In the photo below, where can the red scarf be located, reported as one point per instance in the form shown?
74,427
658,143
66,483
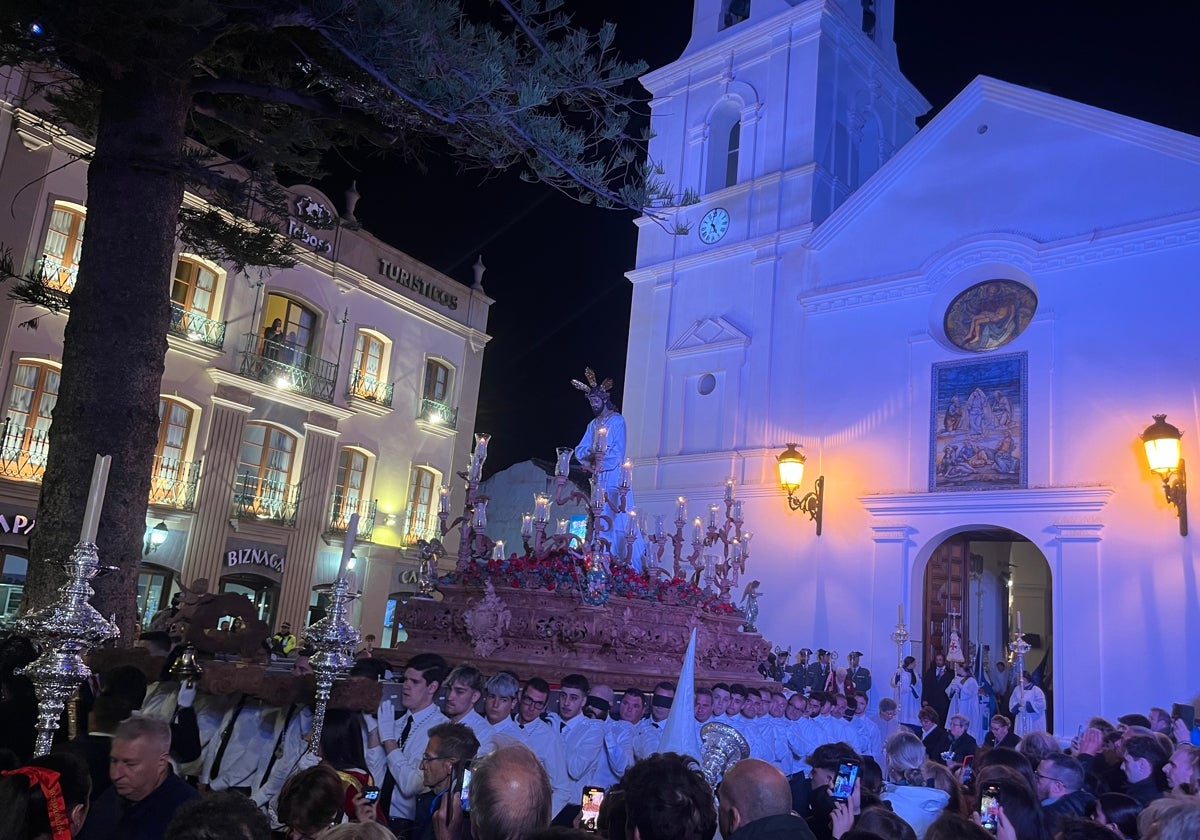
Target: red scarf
56,806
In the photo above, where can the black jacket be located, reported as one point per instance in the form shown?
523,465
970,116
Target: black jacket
113,817
1070,805
936,741
779,827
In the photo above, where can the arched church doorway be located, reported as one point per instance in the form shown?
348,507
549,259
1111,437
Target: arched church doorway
978,583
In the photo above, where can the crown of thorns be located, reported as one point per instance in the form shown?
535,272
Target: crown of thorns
591,386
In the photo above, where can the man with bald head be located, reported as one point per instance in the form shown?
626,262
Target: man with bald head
510,795
756,804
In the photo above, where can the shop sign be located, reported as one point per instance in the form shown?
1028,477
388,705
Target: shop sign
316,214
260,557
416,284
16,524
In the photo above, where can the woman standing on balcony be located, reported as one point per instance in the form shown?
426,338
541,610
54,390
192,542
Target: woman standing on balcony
273,340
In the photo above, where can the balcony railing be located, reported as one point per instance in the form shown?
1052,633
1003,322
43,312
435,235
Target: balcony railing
56,275
340,511
282,365
23,452
433,411
418,526
256,498
197,328
367,387
173,483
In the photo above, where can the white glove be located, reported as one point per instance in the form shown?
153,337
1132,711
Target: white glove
187,695
371,722
387,721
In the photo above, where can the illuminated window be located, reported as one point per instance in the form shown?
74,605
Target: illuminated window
64,238
30,404
174,428
437,381
351,485
368,370
194,287
265,469
421,512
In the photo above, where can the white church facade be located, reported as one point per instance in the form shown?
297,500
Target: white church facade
966,329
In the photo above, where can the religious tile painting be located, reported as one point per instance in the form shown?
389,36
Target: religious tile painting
989,315
978,439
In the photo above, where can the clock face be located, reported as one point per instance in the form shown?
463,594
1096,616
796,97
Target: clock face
713,225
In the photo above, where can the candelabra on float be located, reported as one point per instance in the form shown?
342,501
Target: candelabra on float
718,571
333,638
472,540
899,639
69,627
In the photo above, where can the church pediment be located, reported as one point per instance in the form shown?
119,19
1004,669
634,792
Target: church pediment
706,335
1002,161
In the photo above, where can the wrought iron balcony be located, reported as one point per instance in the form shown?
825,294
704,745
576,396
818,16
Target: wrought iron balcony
23,452
258,498
432,411
369,388
173,483
196,328
282,365
340,511
420,526
56,275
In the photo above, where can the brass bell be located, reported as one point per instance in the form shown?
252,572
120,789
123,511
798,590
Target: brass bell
186,668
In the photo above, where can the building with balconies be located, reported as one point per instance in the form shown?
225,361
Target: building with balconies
291,400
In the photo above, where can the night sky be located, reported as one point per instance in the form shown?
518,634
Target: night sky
556,268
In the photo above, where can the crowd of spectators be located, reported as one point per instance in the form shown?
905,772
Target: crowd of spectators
458,755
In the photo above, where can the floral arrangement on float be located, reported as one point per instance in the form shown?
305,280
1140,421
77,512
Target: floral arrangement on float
561,571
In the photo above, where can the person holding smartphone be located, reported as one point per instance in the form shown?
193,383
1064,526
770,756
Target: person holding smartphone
451,747
756,801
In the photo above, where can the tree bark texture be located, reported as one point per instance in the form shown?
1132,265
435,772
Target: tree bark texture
115,342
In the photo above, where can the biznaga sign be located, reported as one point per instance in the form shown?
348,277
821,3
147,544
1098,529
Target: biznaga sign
419,285
254,557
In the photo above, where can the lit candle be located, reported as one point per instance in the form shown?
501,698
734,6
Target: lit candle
600,443
526,526
563,525
541,507
658,526
627,474
746,543
563,467
729,489
480,514
737,551
632,530
498,550
681,509
443,499
597,493
737,511
348,548
95,501
481,446
712,517
697,531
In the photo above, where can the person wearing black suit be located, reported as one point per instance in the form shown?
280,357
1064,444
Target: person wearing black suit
820,673
961,742
933,686
933,736
94,745
1000,734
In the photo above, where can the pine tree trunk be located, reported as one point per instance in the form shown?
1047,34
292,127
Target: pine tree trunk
108,394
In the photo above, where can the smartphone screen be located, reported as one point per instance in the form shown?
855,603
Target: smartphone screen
370,793
465,790
843,783
1184,712
590,807
987,808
